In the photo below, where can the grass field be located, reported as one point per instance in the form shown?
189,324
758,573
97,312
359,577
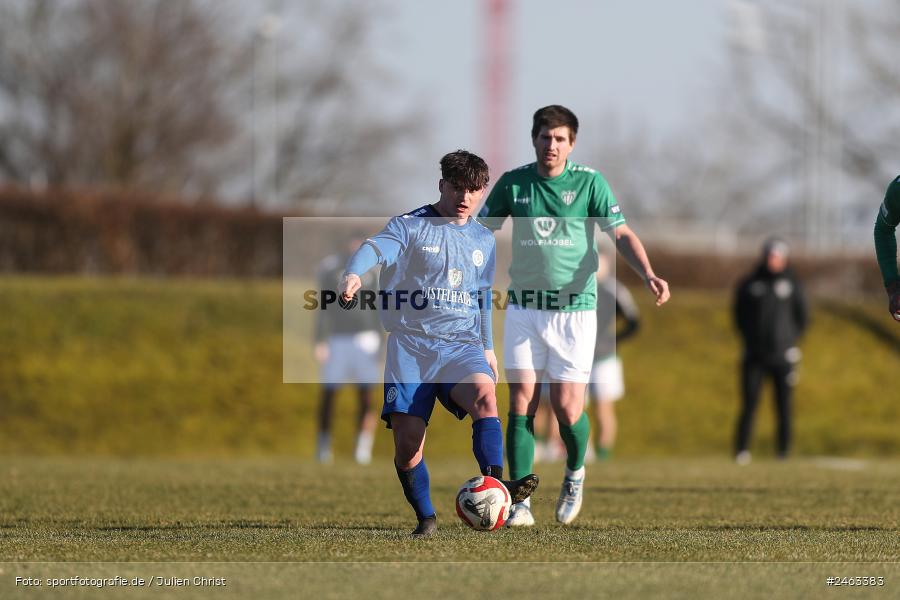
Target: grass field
145,432
654,524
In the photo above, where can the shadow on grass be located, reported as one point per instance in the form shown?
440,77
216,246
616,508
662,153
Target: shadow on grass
878,328
186,526
769,528
684,490
235,525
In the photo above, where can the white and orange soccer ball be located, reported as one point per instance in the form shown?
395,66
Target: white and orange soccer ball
483,503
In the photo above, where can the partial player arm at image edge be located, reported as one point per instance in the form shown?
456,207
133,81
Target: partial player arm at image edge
885,234
886,250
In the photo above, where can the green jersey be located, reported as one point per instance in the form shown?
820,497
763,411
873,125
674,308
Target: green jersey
885,239
554,256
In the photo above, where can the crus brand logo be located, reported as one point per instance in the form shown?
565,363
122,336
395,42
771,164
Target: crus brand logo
477,258
522,200
568,197
391,395
431,249
544,226
455,276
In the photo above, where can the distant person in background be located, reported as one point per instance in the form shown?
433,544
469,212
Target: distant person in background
886,245
771,314
348,344
607,384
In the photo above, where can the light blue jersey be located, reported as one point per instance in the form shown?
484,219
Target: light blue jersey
435,302
436,277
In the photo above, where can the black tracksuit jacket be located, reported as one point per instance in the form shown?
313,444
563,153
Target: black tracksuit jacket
771,314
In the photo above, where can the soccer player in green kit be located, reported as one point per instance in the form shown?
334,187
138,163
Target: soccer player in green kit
886,245
551,324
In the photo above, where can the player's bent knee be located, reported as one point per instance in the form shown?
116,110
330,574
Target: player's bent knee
485,401
409,439
407,453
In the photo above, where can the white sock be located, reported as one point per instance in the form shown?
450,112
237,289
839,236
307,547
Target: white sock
364,442
323,445
576,475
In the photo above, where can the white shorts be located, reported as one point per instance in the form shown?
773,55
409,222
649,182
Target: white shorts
607,383
561,344
353,358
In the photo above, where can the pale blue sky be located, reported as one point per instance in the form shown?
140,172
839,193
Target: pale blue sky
646,62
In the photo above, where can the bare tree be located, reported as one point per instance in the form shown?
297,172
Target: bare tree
167,96
801,134
133,94
818,91
811,53
343,126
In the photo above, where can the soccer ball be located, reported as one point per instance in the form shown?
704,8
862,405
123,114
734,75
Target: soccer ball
483,503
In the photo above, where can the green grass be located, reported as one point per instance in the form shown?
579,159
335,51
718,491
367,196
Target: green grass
282,509
706,519
145,431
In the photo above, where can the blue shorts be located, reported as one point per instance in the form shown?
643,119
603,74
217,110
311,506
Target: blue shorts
420,370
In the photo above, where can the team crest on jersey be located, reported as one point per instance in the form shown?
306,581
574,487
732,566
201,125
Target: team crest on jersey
544,226
568,197
455,276
783,288
477,258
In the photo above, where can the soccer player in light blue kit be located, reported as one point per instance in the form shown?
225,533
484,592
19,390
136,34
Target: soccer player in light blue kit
437,270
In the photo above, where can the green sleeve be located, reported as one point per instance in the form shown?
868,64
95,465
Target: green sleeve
496,208
885,238
603,204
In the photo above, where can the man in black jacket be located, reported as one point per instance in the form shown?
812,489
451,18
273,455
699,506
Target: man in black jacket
771,314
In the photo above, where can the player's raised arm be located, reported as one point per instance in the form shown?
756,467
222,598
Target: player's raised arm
381,249
886,245
631,248
362,260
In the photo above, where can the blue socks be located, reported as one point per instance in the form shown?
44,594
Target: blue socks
416,488
487,445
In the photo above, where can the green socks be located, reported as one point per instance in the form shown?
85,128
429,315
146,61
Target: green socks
576,438
520,445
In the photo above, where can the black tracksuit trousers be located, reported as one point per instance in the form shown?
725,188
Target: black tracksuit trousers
752,373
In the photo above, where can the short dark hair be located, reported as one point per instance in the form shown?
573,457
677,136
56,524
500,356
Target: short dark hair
554,116
465,171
